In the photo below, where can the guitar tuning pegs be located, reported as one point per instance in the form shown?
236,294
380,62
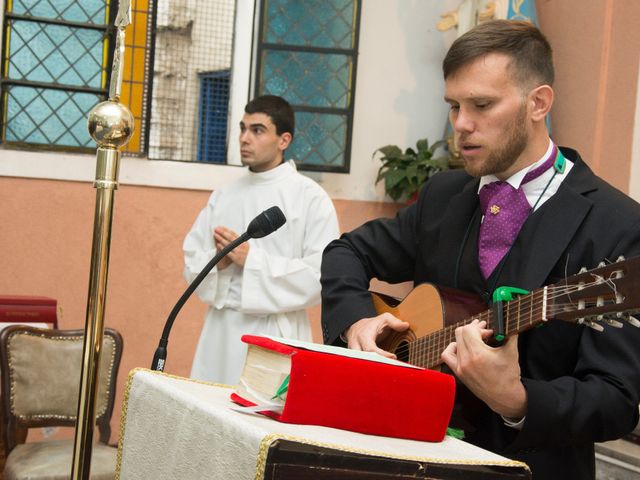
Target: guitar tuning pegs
620,259
596,326
612,322
633,321
628,318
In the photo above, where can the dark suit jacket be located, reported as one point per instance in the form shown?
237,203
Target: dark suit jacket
582,386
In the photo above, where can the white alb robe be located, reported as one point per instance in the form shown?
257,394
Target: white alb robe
281,276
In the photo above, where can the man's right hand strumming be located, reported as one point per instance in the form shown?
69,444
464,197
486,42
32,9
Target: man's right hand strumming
367,332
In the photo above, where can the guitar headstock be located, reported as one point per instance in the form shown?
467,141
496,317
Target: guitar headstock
608,294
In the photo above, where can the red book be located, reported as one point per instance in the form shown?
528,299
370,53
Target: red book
328,386
28,309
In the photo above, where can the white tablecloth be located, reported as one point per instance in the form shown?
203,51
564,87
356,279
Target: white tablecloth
176,428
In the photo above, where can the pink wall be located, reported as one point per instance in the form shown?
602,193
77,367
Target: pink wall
596,51
46,226
45,249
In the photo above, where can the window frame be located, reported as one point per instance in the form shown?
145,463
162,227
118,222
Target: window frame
107,33
261,46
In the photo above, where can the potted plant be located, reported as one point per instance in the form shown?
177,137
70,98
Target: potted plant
404,173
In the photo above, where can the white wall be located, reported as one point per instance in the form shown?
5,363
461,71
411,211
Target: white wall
398,100
399,88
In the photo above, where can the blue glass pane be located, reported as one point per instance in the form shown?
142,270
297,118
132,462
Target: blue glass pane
45,116
85,11
320,139
314,79
318,23
55,54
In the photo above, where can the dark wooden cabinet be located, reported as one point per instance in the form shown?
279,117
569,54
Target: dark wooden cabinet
287,460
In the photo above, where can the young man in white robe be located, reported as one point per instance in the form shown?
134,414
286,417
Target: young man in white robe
263,286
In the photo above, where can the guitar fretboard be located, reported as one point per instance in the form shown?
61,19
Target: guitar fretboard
519,315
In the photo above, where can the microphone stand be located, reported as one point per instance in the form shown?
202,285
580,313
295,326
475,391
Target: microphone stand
160,357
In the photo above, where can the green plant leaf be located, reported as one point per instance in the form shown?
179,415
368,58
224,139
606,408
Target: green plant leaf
393,178
390,151
410,152
422,144
404,173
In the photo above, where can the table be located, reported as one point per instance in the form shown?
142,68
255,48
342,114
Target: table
173,427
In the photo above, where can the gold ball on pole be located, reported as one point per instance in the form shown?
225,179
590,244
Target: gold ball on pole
111,124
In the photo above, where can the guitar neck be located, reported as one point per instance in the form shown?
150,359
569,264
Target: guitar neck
520,314
606,294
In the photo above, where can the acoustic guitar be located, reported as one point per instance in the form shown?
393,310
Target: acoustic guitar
605,295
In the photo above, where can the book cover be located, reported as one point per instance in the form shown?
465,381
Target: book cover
26,300
28,309
306,383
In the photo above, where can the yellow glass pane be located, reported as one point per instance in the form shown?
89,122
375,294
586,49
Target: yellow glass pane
125,95
138,64
139,35
134,144
141,5
127,73
133,77
135,103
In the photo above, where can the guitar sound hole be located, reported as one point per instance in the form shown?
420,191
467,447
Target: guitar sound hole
402,352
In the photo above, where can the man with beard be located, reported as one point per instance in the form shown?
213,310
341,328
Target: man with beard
543,397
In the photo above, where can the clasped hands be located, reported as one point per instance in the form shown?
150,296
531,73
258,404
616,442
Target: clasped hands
223,236
491,373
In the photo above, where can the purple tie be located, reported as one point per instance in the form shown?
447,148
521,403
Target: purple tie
505,209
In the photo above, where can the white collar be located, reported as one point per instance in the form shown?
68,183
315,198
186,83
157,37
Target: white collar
275,174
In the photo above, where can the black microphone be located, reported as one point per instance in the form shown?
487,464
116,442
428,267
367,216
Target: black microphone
267,222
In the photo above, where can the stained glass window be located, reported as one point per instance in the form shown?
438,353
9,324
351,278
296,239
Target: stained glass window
136,77
307,55
56,65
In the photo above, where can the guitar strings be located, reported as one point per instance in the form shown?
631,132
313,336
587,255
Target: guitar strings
430,356
531,305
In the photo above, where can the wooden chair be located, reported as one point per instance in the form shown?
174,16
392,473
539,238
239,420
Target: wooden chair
41,371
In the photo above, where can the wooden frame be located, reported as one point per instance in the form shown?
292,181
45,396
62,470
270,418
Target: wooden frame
15,427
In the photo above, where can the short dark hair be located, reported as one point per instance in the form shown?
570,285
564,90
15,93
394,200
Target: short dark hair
530,52
277,108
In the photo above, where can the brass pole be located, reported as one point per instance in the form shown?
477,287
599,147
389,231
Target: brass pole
111,125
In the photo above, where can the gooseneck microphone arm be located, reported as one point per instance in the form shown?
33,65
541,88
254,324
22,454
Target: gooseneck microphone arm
264,224
160,356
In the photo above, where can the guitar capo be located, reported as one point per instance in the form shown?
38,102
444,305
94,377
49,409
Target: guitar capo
500,295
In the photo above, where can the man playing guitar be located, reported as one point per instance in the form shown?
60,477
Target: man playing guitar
546,395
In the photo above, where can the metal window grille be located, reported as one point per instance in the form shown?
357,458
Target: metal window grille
194,38
307,54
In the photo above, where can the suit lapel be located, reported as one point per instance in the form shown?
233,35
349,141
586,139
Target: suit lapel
459,214
533,257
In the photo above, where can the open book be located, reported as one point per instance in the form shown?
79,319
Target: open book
307,383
